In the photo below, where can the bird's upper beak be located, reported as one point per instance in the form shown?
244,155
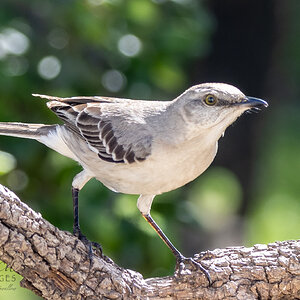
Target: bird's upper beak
255,102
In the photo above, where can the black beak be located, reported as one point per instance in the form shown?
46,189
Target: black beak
255,102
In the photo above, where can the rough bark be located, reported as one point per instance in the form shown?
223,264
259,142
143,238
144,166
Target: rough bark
55,265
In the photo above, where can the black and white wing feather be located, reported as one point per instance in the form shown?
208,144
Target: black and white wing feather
107,131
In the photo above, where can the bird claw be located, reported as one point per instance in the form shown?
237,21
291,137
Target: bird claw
90,245
182,260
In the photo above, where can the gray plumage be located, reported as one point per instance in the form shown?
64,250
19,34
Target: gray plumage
135,146
140,147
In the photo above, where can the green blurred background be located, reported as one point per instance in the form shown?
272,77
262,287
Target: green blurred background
155,50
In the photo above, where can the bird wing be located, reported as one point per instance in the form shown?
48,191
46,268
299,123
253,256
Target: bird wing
109,132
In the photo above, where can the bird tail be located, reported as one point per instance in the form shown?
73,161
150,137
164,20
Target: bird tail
49,135
24,130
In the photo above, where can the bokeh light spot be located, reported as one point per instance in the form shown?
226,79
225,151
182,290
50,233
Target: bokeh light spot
49,67
7,162
17,180
16,66
143,12
129,45
113,80
58,38
13,42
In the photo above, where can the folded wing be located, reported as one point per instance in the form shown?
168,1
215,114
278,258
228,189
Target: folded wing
111,135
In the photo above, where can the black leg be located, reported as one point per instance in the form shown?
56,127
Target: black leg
76,228
179,257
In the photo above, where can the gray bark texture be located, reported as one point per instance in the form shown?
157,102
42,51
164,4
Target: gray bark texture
55,265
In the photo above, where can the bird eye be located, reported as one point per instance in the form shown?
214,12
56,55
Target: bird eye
210,100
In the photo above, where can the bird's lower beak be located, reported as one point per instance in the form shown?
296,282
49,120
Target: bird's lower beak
255,102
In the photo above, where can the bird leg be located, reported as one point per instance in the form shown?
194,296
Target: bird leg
179,257
76,228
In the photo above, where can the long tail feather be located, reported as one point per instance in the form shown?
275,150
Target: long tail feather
24,130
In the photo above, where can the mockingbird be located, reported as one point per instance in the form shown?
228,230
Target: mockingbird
140,147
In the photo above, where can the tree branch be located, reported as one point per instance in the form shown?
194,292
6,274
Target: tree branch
55,265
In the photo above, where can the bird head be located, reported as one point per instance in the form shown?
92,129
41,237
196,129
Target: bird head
214,106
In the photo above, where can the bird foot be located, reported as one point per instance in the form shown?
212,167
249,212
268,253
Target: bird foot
90,245
182,260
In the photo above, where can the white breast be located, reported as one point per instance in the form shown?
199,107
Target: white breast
163,171
167,168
